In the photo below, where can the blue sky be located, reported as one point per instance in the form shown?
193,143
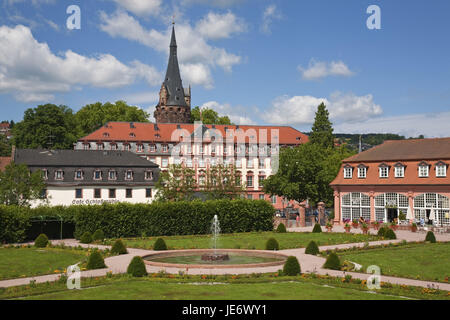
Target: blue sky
259,61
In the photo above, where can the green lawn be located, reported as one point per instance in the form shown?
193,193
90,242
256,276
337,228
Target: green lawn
427,261
252,240
148,290
27,262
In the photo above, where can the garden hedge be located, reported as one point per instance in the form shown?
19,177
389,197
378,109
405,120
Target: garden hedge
135,220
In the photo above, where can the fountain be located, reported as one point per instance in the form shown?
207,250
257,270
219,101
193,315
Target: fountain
215,256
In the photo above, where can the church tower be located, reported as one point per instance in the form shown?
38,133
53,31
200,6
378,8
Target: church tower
174,101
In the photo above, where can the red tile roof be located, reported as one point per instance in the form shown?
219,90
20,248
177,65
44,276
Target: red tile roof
146,132
4,125
4,161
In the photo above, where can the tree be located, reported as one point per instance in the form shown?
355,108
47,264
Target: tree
18,186
47,126
176,184
93,116
222,182
305,173
5,146
208,116
322,130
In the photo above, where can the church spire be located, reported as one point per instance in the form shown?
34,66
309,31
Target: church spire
173,81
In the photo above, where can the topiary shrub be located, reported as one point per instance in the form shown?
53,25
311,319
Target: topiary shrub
95,261
332,262
272,244
430,237
137,267
390,234
119,248
281,228
317,228
98,235
382,231
86,237
312,248
291,267
160,245
41,241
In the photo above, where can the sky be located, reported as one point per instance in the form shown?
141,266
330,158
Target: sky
268,62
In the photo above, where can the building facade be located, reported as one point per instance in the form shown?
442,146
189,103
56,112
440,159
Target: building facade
253,150
404,176
91,177
174,101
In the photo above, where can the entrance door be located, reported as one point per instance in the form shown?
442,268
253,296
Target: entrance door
392,214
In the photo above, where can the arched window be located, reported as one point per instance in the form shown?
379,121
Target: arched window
355,205
425,203
387,203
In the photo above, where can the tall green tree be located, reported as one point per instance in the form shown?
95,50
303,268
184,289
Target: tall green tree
322,129
208,116
18,186
5,146
305,173
92,116
46,126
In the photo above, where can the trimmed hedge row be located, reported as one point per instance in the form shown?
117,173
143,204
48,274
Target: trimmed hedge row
135,220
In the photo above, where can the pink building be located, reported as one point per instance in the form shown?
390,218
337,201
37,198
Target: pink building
405,176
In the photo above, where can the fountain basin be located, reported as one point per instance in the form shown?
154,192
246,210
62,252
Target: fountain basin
192,259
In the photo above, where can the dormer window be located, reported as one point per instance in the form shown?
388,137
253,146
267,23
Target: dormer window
348,172
441,169
129,175
424,169
106,135
79,175
399,170
362,171
44,174
59,175
384,170
112,175
97,175
148,175
132,135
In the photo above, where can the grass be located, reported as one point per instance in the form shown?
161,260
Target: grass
425,261
27,262
251,240
250,287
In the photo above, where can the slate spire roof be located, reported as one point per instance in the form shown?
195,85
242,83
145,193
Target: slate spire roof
172,81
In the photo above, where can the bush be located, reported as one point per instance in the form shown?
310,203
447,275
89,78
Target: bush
317,228
119,248
312,248
86,237
272,244
382,231
95,261
160,245
291,267
390,234
98,235
281,228
137,267
430,237
41,241
332,262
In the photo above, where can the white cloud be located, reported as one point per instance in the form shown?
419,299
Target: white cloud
197,73
31,72
34,2
270,14
141,7
218,26
300,110
412,125
142,98
237,114
214,3
193,48
319,69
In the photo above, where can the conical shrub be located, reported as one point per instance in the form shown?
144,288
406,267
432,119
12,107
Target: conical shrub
137,267
86,237
317,228
119,248
430,237
98,235
382,231
281,228
95,261
41,241
390,234
291,267
272,244
160,245
312,248
332,262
